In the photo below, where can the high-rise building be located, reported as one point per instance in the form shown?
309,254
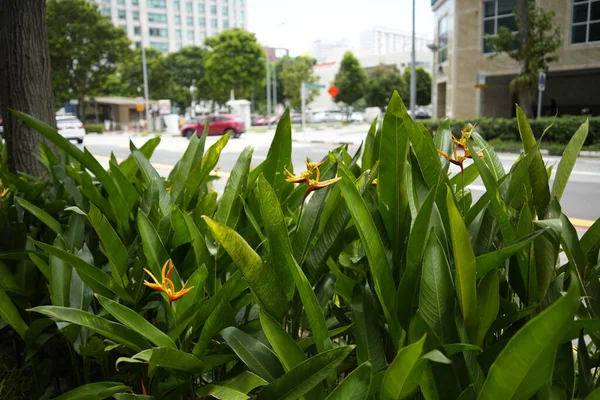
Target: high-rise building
380,41
327,51
169,25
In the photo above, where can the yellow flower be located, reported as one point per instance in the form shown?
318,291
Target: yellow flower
459,159
169,189
305,177
375,182
166,285
4,191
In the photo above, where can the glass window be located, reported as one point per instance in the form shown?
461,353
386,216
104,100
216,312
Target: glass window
189,7
190,35
158,32
213,10
202,21
201,8
122,14
178,20
177,5
177,46
586,20
189,21
153,17
160,46
178,34
135,2
136,15
121,2
138,45
443,39
202,36
213,23
225,11
106,12
157,3
225,24
497,13
137,30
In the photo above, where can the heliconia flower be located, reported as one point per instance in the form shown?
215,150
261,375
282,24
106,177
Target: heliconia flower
375,182
459,159
4,191
166,285
312,166
302,178
305,177
169,189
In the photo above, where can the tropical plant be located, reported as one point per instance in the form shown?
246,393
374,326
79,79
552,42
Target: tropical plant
377,276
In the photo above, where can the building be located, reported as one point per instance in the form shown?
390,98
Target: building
121,111
325,51
462,57
381,41
326,71
169,25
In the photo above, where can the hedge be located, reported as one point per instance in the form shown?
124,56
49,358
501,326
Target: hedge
506,128
99,128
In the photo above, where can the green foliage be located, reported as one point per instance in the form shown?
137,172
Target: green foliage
236,61
351,80
85,48
94,128
383,80
423,86
389,283
294,71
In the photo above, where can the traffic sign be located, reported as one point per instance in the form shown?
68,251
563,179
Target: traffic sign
542,81
139,108
333,91
313,86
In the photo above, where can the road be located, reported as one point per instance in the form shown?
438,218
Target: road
578,202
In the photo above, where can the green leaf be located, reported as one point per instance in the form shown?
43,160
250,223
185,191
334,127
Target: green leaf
585,380
281,253
40,214
261,277
193,153
41,265
546,248
465,267
10,314
288,351
152,178
131,396
426,153
305,376
368,159
129,166
130,195
197,280
112,246
258,357
216,321
369,342
279,156
488,261
595,395
436,297
60,277
94,391
402,377
106,328
538,176
244,382
355,386
393,194
171,358
221,392
229,207
154,249
567,161
200,171
527,361
378,263
488,303
74,234
136,322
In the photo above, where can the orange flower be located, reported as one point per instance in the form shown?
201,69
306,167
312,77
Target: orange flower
459,159
305,177
4,191
166,286
375,182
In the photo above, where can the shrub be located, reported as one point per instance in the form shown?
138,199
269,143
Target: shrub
386,281
507,128
99,128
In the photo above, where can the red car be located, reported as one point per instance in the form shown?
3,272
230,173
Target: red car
217,125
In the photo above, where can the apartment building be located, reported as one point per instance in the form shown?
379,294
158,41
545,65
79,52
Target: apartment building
381,41
169,25
467,82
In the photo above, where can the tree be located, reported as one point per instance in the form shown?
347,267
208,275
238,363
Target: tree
85,49
350,80
236,61
187,68
423,87
294,71
25,82
533,47
382,81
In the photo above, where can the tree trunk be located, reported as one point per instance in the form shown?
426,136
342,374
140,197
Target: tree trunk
25,81
525,97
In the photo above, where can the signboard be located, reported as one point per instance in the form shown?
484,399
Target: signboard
542,81
480,81
275,53
139,107
164,107
333,91
74,102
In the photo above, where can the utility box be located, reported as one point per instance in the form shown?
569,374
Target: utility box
241,110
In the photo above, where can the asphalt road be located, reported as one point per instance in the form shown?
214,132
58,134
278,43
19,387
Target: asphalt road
579,200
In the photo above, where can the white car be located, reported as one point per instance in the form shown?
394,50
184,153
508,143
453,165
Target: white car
70,127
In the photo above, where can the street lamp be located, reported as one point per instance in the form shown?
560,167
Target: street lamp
434,48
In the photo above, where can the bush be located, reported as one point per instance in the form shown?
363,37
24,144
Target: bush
374,275
506,128
99,128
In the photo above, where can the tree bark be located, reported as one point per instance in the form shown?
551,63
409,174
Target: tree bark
25,80
525,97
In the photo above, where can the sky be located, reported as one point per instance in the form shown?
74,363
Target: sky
295,24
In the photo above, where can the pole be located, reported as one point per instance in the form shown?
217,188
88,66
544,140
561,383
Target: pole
303,98
413,75
268,96
539,109
274,89
146,101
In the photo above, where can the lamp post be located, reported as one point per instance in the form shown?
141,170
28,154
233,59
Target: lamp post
434,48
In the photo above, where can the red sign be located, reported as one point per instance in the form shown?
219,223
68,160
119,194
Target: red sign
333,91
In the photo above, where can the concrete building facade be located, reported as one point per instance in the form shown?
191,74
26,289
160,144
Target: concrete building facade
169,25
463,59
381,41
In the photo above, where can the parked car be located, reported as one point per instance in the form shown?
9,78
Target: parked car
217,125
70,127
357,116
